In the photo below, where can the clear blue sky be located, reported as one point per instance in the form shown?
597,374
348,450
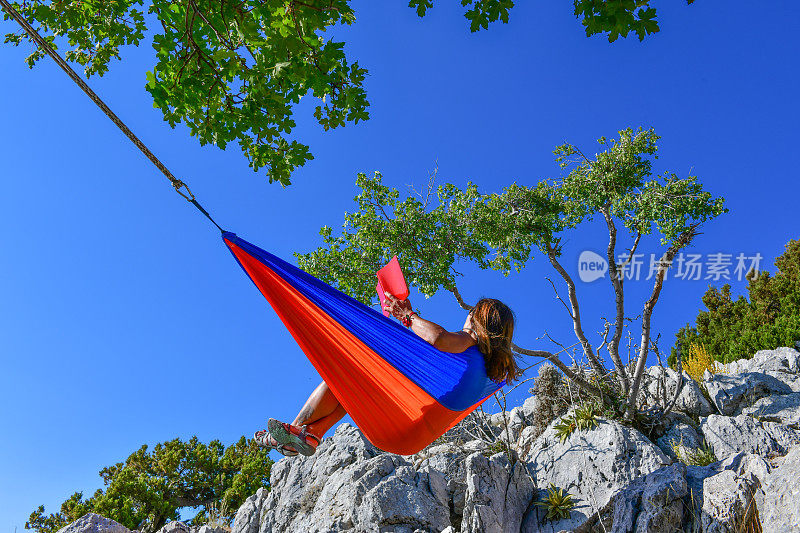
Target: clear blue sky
123,318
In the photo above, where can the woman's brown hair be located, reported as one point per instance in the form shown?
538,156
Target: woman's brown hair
493,324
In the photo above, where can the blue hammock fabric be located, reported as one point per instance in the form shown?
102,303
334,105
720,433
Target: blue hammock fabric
454,381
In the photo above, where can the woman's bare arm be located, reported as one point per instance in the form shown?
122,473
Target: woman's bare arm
432,332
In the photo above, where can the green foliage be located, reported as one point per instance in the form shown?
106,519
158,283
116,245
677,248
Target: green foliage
558,503
702,456
618,17
768,318
232,71
583,417
434,230
149,487
480,13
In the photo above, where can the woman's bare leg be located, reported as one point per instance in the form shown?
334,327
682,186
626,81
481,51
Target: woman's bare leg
321,411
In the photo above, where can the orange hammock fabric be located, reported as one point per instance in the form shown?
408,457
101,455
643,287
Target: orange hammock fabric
394,412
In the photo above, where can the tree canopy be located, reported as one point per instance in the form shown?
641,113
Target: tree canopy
435,230
768,317
232,71
149,487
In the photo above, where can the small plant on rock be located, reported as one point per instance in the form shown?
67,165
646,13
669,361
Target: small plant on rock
701,456
583,417
558,503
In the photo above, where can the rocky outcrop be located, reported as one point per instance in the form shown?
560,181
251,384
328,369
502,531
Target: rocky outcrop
732,393
653,503
619,479
729,502
661,383
681,437
783,409
351,485
591,465
782,364
94,523
730,435
497,496
780,511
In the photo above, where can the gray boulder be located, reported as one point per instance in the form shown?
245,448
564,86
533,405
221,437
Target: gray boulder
497,496
176,526
94,523
780,511
652,503
730,435
350,484
592,465
661,383
729,503
681,436
449,459
782,408
742,464
781,363
734,392
247,519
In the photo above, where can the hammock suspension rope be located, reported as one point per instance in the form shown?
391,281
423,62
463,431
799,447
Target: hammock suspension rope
180,187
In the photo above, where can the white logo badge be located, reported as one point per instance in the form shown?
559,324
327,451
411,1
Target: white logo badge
591,266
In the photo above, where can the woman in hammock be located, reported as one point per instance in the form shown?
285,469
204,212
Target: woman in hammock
489,325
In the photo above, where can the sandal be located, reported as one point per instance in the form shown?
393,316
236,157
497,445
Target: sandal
293,437
265,440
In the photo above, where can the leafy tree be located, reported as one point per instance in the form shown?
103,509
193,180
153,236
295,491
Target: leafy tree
233,70
770,316
149,487
618,17
435,229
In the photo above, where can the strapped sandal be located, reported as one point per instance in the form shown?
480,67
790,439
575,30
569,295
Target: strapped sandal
265,440
288,435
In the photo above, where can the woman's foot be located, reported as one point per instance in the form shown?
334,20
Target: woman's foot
265,440
293,437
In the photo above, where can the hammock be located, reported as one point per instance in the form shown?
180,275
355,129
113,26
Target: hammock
401,391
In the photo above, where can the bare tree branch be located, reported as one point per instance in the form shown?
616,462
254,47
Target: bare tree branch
597,366
616,282
664,263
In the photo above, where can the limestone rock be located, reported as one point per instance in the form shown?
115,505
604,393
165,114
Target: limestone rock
248,515
728,502
780,511
731,393
690,400
94,523
497,496
741,464
680,435
728,435
350,484
782,408
591,465
652,503
176,526
782,364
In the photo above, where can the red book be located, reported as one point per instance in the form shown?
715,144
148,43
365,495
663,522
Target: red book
391,280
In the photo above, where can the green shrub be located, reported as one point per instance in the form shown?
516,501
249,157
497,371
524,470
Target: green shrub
701,456
768,318
558,503
583,417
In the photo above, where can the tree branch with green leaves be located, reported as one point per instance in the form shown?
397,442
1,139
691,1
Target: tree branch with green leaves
233,71
501,231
